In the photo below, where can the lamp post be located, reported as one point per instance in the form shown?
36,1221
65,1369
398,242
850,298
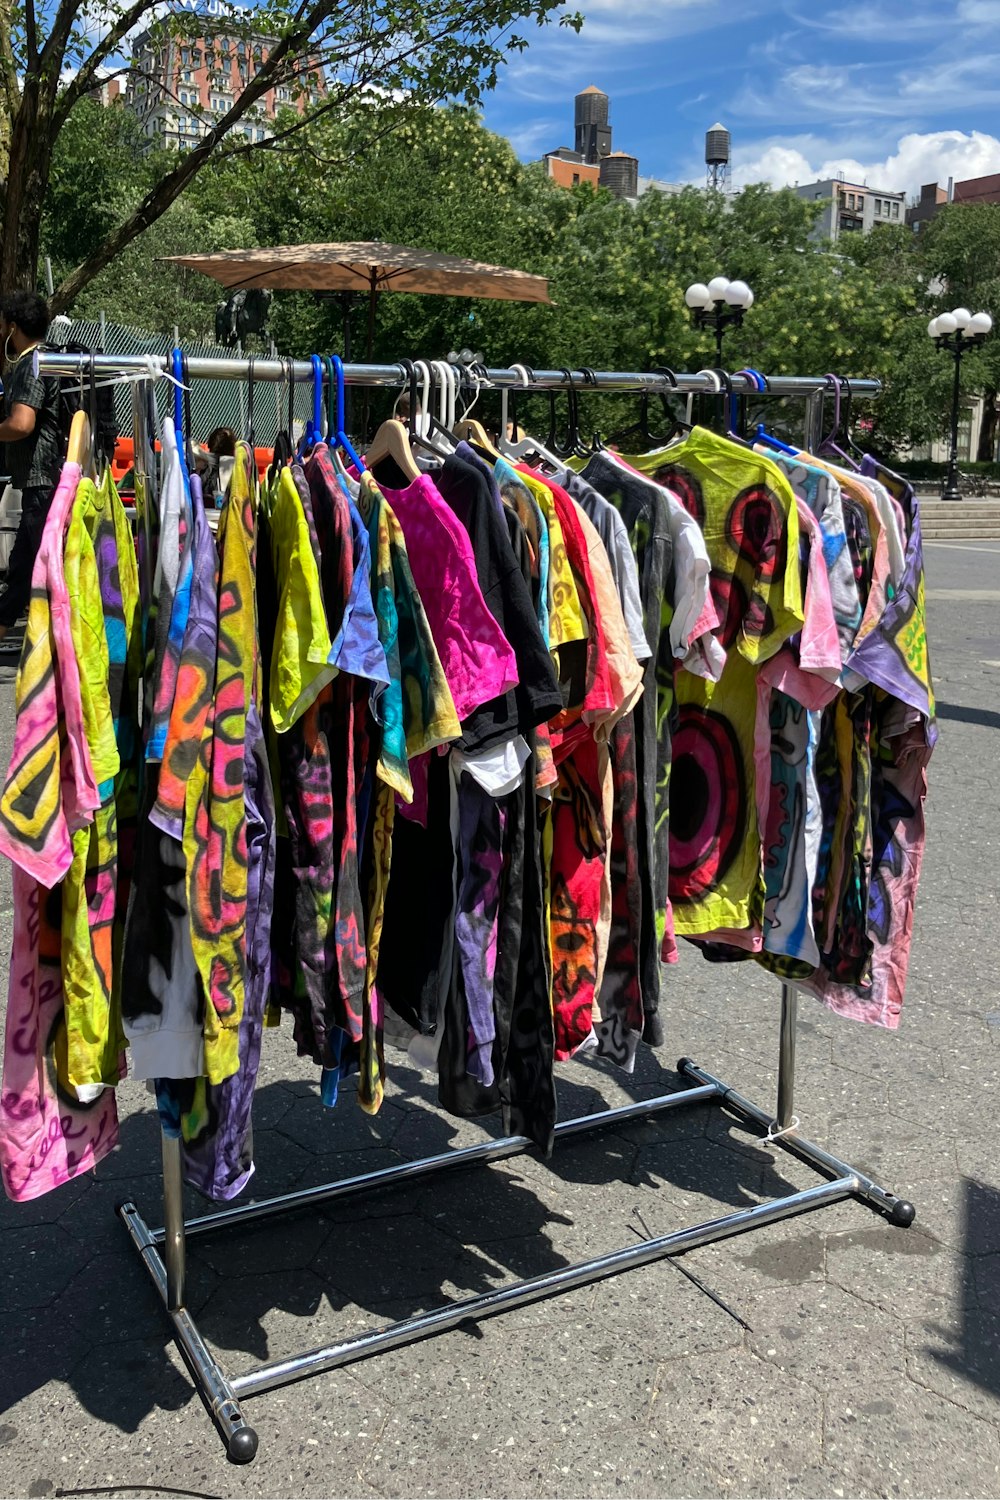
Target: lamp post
957,331
720,304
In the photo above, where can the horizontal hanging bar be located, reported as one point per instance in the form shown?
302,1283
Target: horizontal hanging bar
213,367
282,1371
488,1151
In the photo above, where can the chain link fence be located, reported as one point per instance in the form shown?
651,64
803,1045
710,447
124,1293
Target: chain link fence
214,403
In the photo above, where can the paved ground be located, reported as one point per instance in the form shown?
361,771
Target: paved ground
871,1360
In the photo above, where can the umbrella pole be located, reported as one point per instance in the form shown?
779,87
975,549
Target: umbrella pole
372,304
346,303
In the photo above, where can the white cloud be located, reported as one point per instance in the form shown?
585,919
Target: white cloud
531,137
933,156
979,12
871,91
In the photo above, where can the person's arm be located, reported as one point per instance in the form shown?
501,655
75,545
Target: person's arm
19,425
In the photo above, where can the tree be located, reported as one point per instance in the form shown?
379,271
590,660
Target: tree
960,254
51,58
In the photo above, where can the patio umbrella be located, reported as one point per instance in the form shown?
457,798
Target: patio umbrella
366,266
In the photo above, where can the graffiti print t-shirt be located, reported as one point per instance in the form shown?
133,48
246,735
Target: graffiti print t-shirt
747,512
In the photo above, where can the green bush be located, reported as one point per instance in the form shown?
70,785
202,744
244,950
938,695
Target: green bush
926,469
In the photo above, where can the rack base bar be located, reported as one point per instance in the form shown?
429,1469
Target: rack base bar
210,1381
536,1289
898,1210
222,1395
488,1151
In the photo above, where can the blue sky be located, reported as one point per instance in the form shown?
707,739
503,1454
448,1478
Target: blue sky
901,91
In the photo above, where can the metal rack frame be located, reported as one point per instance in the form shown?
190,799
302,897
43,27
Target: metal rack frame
162,1251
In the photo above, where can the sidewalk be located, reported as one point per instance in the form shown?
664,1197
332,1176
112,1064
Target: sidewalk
871,1364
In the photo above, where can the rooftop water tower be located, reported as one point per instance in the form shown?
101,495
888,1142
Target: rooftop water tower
718,149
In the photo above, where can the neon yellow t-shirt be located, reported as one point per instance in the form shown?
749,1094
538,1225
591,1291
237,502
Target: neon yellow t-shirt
300,667
747,512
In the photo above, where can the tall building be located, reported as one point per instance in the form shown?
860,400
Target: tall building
851,208
180,86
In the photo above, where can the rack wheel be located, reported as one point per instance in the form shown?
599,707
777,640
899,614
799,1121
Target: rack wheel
902,1213
683,1063
243,1445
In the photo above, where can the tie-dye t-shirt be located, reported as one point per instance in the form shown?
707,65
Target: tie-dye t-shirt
345,573
567,619
94,1038
46,1138
300,659
747,512
215,825
195,678
519,497
173,590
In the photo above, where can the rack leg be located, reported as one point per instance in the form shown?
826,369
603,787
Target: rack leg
898,1210
786,1056
173,1220
210,1380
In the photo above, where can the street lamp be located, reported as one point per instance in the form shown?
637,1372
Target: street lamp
719,305
957,331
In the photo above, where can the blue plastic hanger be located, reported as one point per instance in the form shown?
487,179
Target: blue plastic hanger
177,370
762,435
340,436
313,431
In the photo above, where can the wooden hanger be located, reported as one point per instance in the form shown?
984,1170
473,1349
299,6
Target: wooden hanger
80,449
392,441
473,431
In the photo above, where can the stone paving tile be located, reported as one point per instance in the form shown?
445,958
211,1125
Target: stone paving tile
824,1337
963,1214
723,1409
907,1273
914,1443
958,1357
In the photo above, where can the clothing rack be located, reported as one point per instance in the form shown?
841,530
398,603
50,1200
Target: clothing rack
162,1250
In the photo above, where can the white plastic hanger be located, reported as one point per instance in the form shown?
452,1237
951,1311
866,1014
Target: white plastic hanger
526,447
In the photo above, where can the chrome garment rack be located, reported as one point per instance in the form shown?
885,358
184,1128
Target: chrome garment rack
162,1251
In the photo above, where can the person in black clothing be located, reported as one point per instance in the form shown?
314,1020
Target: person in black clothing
30,430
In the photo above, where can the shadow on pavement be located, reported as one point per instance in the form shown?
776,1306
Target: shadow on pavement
77,1307
975,1351
985,717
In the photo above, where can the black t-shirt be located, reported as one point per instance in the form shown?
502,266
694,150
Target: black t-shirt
34,462
508,598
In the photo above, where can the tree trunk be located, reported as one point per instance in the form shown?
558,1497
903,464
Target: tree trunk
24,193
988,428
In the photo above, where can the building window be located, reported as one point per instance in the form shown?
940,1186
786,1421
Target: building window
850,200
187,76
819,196
878,207
895,210
576,178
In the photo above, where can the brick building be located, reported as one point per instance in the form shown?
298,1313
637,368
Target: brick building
179,86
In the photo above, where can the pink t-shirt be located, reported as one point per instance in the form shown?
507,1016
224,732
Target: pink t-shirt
46,1139
477,658
50,789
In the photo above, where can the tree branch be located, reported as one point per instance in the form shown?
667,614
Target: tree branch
168,189
87,74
